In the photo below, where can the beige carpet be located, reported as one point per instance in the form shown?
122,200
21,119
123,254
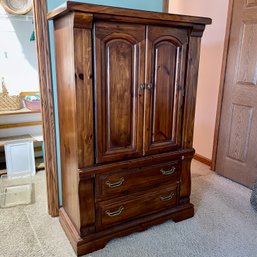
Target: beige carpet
224,225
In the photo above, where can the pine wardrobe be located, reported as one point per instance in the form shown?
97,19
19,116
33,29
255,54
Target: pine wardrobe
126,82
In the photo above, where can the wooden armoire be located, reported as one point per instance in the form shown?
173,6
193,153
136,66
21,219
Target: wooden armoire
126,83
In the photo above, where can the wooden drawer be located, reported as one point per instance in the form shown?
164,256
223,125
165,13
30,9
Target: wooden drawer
127,208
130,181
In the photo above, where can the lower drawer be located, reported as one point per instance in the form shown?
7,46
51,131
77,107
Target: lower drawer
127,208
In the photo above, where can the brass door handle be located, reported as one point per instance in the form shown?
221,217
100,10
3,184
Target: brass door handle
115,184
115,213
142,86
167,198
168,172
150,86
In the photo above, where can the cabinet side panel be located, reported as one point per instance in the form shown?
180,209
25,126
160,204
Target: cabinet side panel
84,95
190,91
189,112
87,205
185,181
64,51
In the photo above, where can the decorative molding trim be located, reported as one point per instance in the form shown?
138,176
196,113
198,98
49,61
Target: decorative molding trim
202,159
197,30
82,20
45,81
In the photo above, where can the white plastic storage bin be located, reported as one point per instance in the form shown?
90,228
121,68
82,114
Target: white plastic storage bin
20,159
15,190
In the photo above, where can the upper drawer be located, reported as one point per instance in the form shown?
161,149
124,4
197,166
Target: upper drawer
129,181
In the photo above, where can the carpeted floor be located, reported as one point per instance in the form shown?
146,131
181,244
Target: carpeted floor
224,225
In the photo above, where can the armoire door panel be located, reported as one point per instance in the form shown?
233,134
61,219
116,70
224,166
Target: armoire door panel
119,89
166,56
119,57
162,105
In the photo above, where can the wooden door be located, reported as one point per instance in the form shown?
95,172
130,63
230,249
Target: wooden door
119,68
237,141
165,73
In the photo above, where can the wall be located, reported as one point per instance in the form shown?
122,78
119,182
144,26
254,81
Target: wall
150,5
18,62
210,67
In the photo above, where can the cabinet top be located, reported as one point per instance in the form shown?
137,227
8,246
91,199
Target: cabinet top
100,11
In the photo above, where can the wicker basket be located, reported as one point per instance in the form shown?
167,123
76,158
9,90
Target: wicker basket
9,103
17,7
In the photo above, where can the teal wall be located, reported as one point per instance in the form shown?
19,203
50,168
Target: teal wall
149,5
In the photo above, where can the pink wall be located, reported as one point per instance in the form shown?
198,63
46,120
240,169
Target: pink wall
210,67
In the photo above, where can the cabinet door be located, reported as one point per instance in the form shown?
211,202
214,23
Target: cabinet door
119,70
165,72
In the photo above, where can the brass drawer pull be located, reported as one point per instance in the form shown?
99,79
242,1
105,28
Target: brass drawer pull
167,198
168,172
115,213
115,184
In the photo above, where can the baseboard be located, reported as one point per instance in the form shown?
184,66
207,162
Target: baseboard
202,159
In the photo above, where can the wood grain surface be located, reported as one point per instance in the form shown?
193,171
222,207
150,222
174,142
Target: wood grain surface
165,6
165,71
221,87
126,127
47,106
115,11
236,158
119,65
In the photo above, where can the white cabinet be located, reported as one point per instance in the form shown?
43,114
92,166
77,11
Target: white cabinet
20,158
